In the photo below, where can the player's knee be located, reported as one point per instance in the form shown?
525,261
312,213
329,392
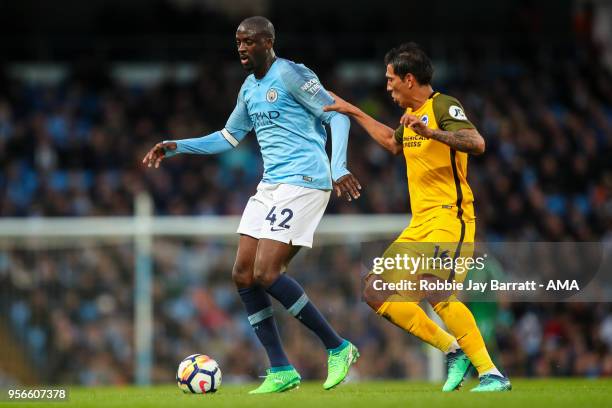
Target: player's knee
265,274
374,305
242,274
435,297
368,292
374,298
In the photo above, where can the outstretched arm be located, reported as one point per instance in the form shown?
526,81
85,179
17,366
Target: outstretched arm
217,142
236,128
383,134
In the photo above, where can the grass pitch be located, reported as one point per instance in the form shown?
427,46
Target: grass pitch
527,393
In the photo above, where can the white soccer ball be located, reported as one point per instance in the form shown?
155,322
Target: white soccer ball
198,374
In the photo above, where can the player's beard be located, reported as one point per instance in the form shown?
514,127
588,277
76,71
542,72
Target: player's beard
254,61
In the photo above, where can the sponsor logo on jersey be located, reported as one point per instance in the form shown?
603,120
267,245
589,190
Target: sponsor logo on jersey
425,119
457,113
311,86
264,118
413,140
271,95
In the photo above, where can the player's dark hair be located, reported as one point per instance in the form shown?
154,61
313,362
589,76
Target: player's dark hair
260,25
409,58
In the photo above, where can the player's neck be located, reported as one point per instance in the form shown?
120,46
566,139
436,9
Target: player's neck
420,96
261,72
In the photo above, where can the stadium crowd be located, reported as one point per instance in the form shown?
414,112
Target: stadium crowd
75,149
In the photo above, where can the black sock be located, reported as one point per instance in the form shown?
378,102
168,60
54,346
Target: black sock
287,291
259,310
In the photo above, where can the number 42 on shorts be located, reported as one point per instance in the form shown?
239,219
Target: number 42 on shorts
287,213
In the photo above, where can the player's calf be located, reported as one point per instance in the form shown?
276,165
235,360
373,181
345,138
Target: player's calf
257,303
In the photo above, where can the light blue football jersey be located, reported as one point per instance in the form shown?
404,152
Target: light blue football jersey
285,109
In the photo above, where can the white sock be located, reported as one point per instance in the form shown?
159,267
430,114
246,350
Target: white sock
494,371
453,347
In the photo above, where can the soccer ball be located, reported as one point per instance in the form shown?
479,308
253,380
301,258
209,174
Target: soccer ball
198,374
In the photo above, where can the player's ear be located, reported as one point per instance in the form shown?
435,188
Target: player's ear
405,81
409,80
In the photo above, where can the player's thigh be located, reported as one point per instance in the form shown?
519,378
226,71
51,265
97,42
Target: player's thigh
270,260
412,234
242,273
254,214
427,253
395,273
294,215
444,243
464,252
294,250
389,271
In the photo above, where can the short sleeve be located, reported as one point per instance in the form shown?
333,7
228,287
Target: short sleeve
239,123
449,114
306,88
399,134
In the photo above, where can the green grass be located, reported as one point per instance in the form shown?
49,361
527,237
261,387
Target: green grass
548,393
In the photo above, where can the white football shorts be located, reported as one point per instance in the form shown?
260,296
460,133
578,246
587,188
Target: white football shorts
284,212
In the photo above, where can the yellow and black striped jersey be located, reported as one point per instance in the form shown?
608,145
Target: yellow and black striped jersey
437,174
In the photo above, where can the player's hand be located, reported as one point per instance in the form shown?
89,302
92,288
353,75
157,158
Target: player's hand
339,105
414,122
347,186
157,153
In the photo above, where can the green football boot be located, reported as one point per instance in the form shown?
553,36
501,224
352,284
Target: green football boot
339,362
457,366
492,382
278,381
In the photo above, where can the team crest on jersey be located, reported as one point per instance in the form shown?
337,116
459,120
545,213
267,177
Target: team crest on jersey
457,113
271,95
425,119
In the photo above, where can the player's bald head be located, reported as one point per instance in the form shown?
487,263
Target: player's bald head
257,26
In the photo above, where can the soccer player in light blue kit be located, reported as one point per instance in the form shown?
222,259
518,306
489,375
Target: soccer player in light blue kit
283,102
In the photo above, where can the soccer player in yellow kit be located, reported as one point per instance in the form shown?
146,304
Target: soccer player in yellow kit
436,138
